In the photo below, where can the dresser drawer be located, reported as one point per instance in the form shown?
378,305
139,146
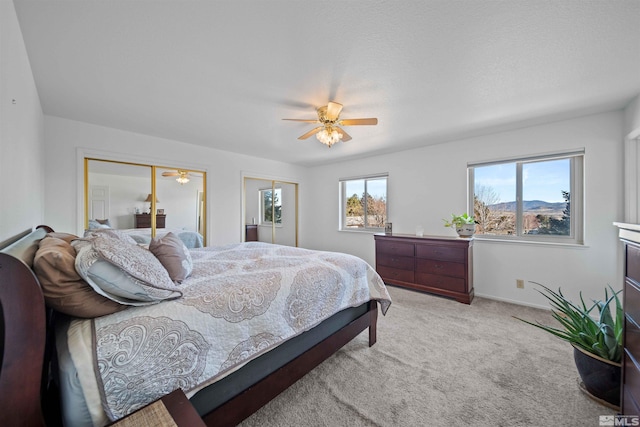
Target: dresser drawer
441,282
454,269
395,248
401,262
631,379
632,339
633,262
629,404
395,274
444,253
632,301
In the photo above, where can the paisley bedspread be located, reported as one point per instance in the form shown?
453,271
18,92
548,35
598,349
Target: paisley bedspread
240,301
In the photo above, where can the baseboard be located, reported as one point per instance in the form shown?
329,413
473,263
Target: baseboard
526,304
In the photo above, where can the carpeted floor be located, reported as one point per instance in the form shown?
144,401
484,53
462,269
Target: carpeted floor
441,363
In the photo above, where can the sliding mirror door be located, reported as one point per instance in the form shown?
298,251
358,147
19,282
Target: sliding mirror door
145,200
271,211
180,200
115,192
286,209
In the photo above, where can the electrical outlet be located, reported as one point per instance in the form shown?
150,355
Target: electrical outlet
519,283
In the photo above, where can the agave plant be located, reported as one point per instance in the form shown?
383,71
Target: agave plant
600,335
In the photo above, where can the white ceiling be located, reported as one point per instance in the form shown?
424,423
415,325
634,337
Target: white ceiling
224,73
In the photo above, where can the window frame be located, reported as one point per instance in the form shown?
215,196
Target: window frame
576,234
342,182
263,211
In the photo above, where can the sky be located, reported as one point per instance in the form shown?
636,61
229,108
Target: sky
543,180
375,187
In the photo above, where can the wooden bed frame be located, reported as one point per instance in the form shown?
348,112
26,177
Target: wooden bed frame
26,354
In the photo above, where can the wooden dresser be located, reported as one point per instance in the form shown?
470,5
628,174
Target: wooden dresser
630,390
251,233
437,264
144,221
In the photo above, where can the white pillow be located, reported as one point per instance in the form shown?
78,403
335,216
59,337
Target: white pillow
124,272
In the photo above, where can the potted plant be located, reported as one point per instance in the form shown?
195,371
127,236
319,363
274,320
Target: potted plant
596,339
464,224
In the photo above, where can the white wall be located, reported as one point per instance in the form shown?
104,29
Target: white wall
21,133
632,118
66,138
427,184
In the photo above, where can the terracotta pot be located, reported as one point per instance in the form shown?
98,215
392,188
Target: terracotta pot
601,377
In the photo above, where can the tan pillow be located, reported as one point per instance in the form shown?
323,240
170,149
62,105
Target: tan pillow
67,237
63,289
174,256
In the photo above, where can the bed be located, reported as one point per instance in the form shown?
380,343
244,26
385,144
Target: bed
225,385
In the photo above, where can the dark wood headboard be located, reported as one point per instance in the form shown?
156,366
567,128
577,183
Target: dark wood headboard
23,332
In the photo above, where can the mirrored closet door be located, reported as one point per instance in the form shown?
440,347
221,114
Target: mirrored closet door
144,200
270,211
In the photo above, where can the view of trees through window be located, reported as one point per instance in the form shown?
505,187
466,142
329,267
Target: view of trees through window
545,187
271,205
365,203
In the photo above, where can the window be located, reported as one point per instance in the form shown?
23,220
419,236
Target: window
363,203
537,198
271,205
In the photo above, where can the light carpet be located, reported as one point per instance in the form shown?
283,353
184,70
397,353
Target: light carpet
438,362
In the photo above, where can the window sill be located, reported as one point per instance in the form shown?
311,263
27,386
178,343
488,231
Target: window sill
530,242
366,231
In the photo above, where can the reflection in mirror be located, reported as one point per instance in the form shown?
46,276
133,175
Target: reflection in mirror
286,232
271,211
181,196
116,192
119,195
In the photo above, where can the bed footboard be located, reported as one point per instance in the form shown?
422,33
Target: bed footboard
242,406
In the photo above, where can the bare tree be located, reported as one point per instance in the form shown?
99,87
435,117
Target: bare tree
490,221
483,197
376,211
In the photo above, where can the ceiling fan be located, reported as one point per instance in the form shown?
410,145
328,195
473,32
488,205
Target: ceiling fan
182,175
329,131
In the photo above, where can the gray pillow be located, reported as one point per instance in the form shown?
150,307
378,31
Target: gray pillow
111,232
174,256
124,272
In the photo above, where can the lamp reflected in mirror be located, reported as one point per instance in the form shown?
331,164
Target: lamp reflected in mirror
148,200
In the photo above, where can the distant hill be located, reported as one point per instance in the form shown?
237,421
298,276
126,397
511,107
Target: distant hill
531,206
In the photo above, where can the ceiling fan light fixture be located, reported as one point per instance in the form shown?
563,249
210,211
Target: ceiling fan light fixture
182,178
329,136
330,129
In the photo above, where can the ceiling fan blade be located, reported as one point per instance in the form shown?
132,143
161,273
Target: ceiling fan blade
169,173
311,132
333,110
303,120
355,122
345,136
